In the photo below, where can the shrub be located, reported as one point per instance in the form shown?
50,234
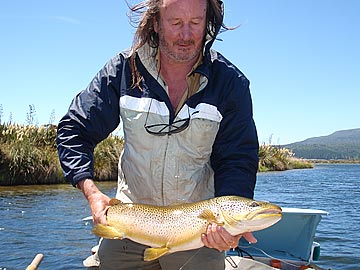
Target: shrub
272,158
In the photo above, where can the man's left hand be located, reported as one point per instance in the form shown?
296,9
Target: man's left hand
217,237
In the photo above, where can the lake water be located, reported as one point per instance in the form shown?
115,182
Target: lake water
48,219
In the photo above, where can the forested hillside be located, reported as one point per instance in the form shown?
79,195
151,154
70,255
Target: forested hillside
344,144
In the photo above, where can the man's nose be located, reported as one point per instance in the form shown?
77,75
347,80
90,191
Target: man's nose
186,32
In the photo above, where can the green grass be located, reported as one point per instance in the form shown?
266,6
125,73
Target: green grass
28,155
106,158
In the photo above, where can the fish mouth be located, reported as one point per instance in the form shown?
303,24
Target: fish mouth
261,218
270,212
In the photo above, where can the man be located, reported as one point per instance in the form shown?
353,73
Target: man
188,128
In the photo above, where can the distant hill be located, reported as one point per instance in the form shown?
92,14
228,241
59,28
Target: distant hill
343,144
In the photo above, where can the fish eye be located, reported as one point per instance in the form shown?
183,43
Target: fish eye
254,204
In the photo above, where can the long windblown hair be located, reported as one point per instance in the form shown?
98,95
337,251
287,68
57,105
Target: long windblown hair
143,15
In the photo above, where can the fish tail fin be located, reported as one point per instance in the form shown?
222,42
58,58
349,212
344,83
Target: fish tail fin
151,254
107,232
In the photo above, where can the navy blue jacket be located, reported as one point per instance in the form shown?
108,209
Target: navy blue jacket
221,130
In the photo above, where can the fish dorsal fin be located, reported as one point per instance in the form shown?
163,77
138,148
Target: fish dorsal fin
114,201
209,216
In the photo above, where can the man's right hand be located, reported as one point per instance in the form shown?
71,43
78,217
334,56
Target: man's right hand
98,201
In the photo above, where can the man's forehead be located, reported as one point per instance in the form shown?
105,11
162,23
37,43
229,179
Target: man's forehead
170,3
193,8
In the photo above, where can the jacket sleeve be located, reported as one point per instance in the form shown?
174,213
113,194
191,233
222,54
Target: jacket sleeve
235,152
92,116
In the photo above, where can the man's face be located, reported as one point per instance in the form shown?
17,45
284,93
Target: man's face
181,29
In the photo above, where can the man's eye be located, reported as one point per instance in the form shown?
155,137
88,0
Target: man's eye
175,22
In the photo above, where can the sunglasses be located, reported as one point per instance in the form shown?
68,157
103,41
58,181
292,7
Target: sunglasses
167,129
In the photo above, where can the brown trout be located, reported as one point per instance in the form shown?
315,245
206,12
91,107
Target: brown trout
168,229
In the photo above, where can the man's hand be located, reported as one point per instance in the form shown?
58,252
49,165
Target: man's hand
217,237
97,200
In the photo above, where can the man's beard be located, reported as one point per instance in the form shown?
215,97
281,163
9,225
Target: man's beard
182,56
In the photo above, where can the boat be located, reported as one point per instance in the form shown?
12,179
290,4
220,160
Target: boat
288,245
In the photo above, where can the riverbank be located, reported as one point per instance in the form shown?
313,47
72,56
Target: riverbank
335,161
28,156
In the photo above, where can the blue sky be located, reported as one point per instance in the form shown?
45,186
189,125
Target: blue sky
302,58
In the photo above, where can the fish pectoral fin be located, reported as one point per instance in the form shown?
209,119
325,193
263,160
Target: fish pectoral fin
151,254
114,201
229,219
209,216
107,232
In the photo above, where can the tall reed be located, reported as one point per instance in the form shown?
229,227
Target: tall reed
28,155
276,158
